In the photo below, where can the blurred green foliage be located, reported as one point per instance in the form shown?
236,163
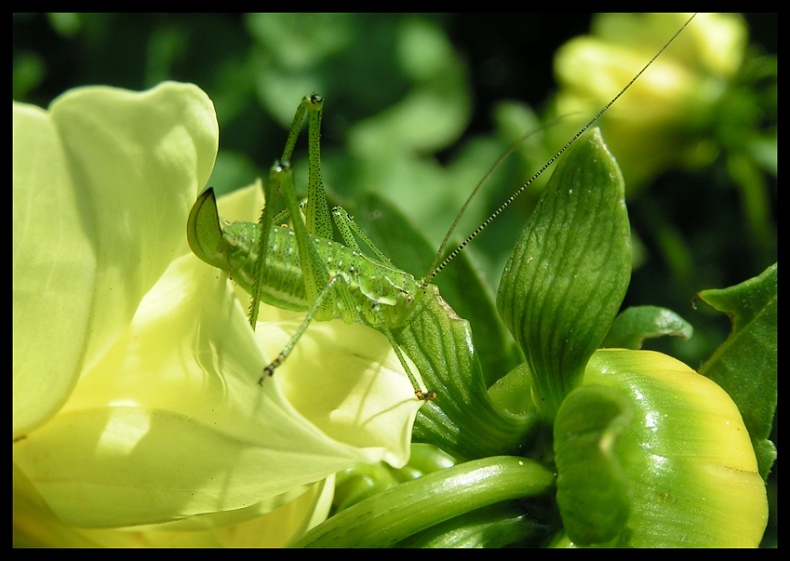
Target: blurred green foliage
418,107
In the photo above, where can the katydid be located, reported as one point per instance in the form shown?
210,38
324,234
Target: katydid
302,268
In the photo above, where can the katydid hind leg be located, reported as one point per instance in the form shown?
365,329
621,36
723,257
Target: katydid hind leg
281,179
314,271
317,212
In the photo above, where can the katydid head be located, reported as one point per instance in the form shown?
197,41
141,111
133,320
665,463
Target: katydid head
440,263
405,304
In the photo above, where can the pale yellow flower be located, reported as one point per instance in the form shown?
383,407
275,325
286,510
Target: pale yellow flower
136,404
666,118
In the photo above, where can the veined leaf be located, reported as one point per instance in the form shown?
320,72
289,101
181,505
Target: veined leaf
440,344
745,365
568,273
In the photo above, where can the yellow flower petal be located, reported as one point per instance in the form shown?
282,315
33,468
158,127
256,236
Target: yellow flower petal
103,183
167,423
172,422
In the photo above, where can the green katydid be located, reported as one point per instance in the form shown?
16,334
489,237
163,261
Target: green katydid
302,268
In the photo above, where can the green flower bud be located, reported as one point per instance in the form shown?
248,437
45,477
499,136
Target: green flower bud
651,454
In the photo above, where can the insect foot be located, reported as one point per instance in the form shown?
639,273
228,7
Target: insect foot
268,371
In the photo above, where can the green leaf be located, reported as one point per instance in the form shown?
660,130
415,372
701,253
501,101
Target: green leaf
461,285
441,344
633,325
462,420
433,112
568,273
510,392
745,365
592,490
364,480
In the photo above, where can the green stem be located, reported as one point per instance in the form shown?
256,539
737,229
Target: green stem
396,514
504,524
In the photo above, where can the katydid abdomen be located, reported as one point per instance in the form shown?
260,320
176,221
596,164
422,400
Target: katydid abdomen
378,292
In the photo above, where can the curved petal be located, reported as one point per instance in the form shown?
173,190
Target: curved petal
103,183
53,265
36,526
172,422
